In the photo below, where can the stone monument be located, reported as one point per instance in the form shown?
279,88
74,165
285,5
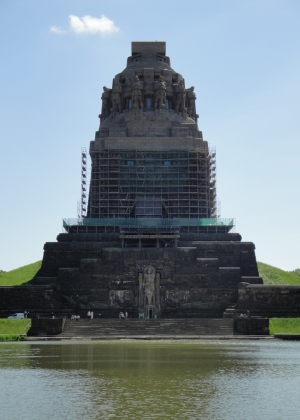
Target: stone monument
151,242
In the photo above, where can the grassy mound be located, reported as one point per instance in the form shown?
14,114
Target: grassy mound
273,275
284,326
14,329
20,275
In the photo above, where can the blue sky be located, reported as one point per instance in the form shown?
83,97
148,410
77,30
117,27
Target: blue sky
243,58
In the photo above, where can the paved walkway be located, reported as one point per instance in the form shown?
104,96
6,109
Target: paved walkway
149,338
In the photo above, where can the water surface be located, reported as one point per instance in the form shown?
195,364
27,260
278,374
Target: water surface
150,380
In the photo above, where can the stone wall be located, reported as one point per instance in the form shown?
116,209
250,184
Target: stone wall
30,298
269,301
252,326
195,281
46,326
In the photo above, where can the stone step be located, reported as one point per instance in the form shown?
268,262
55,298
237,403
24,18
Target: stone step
134,327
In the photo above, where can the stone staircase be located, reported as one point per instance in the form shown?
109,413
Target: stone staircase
148,328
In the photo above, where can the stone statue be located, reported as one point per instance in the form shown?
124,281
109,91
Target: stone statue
105,102
180,96
136,94
191,102
149,287
160,93
117,98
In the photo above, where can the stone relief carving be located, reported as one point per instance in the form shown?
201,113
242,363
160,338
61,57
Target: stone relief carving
137,94
149,287
175,298
106,95
120,297
160,93
180,93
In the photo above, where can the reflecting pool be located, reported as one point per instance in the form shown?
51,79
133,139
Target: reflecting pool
150,380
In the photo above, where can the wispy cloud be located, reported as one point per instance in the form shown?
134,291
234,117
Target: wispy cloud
57,30
87,25
91,25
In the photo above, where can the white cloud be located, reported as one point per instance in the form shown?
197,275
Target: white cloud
88,25
91,25
57,30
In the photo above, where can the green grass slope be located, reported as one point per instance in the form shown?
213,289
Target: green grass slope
20,275
276,276
284,326
14,329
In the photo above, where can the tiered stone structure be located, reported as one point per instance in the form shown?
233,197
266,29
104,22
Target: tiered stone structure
151,244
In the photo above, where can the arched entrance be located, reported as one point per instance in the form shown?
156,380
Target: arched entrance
150,312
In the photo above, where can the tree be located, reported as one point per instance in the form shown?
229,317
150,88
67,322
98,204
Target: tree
296,271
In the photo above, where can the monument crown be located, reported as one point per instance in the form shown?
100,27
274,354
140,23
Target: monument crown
148,84
149,52
158,47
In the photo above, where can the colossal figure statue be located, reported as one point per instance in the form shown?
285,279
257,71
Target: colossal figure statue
179,96
160,93
136,95
105,102
149,287
117,98
191,102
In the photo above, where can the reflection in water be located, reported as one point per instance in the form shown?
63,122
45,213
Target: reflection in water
150,380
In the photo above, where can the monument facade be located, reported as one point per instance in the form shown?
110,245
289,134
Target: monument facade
151,241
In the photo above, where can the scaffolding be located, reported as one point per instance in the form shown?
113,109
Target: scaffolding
150,197
162,184
82,205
